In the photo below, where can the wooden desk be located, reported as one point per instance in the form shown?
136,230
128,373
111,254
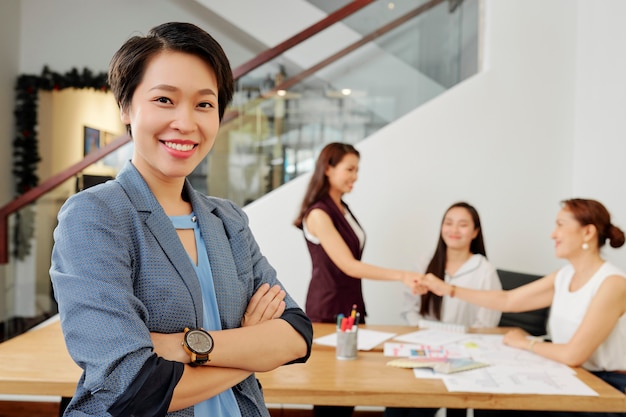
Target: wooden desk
37,363
367,380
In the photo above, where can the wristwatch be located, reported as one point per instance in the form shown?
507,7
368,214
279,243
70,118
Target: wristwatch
198,343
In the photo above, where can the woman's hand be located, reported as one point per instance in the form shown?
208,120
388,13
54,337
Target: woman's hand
435,284
266,304
169,346
412,280
517,338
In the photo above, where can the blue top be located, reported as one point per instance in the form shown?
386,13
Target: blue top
223,404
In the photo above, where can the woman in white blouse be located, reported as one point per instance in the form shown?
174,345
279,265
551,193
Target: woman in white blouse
460,259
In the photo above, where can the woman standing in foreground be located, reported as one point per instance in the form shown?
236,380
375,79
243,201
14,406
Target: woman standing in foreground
460,258
335,241
587,323
143,262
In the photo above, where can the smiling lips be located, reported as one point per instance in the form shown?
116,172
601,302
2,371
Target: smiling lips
183,147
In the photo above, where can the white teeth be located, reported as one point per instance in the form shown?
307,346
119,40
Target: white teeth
179,146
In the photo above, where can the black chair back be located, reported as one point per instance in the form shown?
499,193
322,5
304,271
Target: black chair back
535,321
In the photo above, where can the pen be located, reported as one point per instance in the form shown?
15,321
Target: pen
353,313
344,324
339,319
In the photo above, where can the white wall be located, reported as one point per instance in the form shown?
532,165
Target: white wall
513,140
600,125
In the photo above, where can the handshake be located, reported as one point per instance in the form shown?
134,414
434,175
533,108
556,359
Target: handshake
422,283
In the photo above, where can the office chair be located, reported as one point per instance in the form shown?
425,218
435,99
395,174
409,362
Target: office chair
535,321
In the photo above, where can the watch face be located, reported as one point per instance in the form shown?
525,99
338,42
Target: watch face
199,341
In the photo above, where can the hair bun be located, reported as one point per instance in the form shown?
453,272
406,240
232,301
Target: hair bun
616,236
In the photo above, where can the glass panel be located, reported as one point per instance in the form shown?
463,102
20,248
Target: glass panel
27,293
393,60
27,297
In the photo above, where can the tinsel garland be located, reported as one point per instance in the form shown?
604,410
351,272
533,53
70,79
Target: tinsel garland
26,155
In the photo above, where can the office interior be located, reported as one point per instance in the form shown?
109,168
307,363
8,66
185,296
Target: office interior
540,120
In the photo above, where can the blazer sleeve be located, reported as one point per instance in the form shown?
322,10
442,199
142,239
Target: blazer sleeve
92,275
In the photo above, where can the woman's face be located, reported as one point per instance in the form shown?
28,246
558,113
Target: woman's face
342,176
568,234
173,115
457,229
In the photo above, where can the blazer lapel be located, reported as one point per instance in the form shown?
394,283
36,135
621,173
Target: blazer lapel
162,229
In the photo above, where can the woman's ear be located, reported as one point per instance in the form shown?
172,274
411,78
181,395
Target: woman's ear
590,232
124,116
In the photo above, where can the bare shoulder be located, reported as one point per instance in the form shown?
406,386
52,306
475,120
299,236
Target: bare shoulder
319,223
612,291
317,216
616,282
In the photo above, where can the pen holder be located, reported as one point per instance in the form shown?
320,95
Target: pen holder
347,344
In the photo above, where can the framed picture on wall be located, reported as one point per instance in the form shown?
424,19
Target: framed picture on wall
91,139
106,137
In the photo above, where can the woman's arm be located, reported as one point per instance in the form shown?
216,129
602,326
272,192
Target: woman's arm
607,306
237,354
255,346
488,280
202,382
321,226
235,350
532,296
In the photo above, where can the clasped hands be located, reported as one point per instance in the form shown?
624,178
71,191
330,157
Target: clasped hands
422,283
516,338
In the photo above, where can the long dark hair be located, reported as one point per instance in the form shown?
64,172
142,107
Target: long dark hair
431,303
331,155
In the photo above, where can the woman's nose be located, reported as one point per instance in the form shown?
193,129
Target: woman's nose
184,120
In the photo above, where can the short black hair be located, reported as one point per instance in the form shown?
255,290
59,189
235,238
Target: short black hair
129,62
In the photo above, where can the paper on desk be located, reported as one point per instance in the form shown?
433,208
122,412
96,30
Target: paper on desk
431,337
517,380
399,350
512,371
366,339
491,349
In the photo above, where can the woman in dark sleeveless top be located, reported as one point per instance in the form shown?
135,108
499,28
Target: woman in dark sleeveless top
335,241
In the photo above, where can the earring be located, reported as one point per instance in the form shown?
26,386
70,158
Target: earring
585,246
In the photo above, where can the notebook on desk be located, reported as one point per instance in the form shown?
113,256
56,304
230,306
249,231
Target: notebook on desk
440,365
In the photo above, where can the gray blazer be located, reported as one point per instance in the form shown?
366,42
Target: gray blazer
119,271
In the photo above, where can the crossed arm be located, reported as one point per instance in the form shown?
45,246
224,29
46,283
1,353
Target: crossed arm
264,342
